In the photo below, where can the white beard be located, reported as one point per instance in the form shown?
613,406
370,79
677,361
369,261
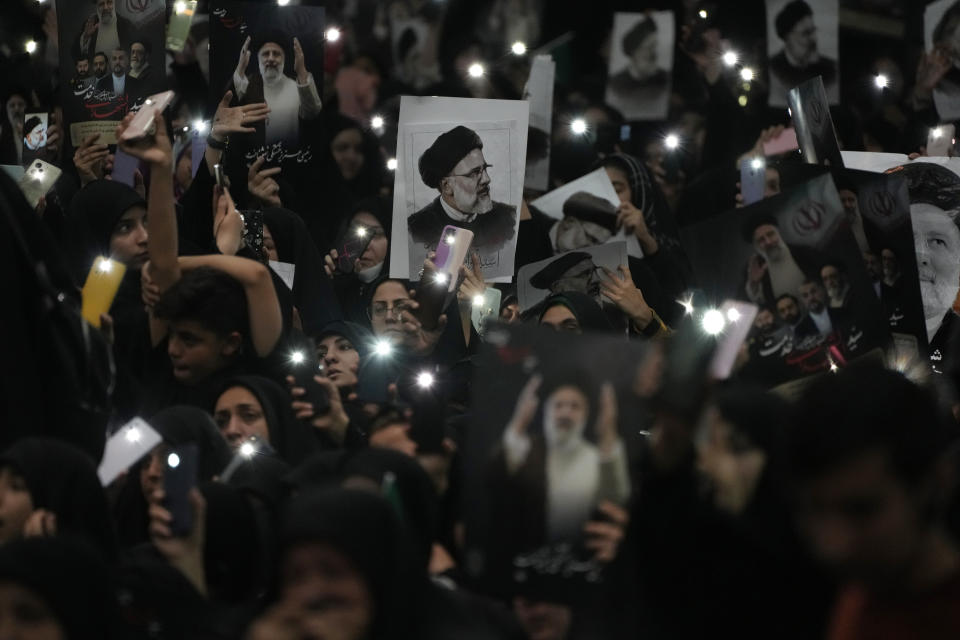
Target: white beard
270,74
463,199
562,439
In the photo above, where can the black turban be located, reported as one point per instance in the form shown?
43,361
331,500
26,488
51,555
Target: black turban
637,35
31,124
446,151
555,270
790,15
590,208
278,38
757,219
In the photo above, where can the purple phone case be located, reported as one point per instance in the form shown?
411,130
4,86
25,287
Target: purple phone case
199,145
124,166
443,249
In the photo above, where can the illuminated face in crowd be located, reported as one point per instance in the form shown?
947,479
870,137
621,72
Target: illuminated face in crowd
240,416
813,296
789,310
83,68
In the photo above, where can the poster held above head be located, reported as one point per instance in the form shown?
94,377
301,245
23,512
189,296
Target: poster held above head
539,92
802,43
580,270
34,136
641,64
460,162
815,132
113,55
941,27
795,257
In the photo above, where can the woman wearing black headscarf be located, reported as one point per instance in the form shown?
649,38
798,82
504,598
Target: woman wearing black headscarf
257,406
48,487
576,312
286,239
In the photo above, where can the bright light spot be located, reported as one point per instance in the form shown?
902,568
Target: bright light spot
297,357
179,6
833,367
376,122
392,164
383,348
746,73
425,379
105,265
247,449
672,141
283,3
200,126
703,14
578,126
713,322
756,163
440,277
361,232
478,301
881,81
132,435
518,48
687,305
730,58
333,34
742,101
173,461
936,132
733,314
450,239
475,70
31,46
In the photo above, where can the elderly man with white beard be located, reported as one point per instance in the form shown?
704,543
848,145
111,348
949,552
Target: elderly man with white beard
776,268
290,100
104,31
455,166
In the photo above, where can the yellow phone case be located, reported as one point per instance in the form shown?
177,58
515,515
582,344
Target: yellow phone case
100,289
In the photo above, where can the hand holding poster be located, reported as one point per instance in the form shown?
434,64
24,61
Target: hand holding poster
580,270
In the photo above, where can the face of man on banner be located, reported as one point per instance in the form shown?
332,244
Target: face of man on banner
937,242
100,65
105,12
565,417
467,188
119,62
138,56
271,60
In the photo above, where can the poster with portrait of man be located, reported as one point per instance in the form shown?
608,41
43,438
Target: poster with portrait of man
34,136
460,162
802,43
941,32
111,59
415,42
581,271
264,52
586,210
640,69
795,257
548,451
539,92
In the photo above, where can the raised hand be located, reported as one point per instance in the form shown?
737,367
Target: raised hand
473,284
155,149
631,220
244,59
619,289
90,158
227,223
299,65
526,407
40,524
261,184
185,554
227,119
603,537
756,269
335,421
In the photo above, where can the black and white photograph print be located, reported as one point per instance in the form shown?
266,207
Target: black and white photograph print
802,42
34,136
641,64
941,31
581,271
459,171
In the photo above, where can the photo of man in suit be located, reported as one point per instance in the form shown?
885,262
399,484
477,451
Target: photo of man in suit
118,81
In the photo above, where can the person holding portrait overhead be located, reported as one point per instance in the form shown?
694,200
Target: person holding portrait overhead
642,81
291,100
104,30
454,165
800,60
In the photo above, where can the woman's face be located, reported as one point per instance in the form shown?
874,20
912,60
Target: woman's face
16,505
341,360
184,173
151,470
240,416
376,251
560,318
128,243
26,616
621,183
937,242
347,149
317,578
269,245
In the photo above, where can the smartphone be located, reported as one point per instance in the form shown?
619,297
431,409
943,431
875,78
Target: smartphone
351,246
142,124
753,179
739,318
220,176
178,28
488,307
786,141
125,447
304,365
671,165
940,140
253,229
179,476
124,166
101,288
376,374
435,292
37,180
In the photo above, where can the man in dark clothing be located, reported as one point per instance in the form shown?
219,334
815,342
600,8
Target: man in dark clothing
455,166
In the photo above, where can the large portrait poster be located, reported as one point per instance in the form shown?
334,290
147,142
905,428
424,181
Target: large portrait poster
794,256
941,27
641,64
803,42
264,52
460,162
111,58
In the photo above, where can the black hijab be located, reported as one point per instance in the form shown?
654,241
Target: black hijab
233,552
290,438
312,291
180,425
64,481
585,309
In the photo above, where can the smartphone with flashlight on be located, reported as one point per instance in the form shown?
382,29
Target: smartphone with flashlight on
753,179
351,245
436,289
179,476
304,365
375,376
99,290
940,140
143,124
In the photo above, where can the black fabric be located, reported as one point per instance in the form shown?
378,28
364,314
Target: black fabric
233,551
584,308
63,480
180,425
446,151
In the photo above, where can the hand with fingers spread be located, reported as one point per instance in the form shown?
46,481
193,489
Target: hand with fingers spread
931,69
244,60
526,408
40,524
334,422
227,223
299,65
603,537
228,120
330,262
90,159
261,184
421,341
155,150
186,553
631,220
619,289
